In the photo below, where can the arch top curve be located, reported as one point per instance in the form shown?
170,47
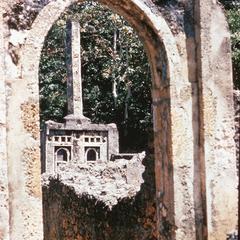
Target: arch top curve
166,69
91,154
152,28
179,107
62,154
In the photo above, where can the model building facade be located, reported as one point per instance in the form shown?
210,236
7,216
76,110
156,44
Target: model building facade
77,140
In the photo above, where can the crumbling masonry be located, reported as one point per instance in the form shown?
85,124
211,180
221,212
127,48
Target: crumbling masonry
188,47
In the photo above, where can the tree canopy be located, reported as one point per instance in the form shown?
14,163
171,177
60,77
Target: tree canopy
115,71
233,15
234,24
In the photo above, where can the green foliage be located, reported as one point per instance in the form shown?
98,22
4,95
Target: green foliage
232,8
230,4
104,65
233,16
53,76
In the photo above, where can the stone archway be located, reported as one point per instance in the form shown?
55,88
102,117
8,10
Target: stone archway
173,108
167,103
166,74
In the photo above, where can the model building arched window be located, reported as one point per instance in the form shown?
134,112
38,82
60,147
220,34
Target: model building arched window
92,154
62,155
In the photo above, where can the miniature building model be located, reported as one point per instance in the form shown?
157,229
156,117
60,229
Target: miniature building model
77,140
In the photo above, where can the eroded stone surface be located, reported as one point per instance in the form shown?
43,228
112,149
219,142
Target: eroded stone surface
30,118
237,124
108,182
195,152
68,215
32,165
4,198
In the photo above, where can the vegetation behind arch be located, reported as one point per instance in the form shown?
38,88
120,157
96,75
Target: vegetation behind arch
115,70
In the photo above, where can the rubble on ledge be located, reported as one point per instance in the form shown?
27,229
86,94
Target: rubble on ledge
107,182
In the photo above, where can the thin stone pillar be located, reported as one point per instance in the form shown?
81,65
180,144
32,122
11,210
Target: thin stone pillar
216,205
74,81
4,193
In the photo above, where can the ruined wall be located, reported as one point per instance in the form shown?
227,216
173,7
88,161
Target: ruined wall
4,208
217,120
193,119
22,147
237,141
68,215
237,124
20,19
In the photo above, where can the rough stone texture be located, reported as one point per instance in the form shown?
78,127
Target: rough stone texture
193,114
218,153
237,142
74,82
68,215
108,182
56,135
30,118
237,124
31,167
4,207
25,211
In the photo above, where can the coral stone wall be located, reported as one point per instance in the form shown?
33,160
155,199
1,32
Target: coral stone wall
237,123
4,204
70,216
188,46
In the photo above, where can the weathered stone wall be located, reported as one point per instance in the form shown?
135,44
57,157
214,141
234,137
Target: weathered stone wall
107,182
68,215
237,124
217,152
237,142
4,207
193,114
22,144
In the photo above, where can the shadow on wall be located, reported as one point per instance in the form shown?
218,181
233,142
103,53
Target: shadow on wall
69,216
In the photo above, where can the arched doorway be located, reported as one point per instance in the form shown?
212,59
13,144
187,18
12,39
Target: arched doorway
91,154
62,155
168,108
